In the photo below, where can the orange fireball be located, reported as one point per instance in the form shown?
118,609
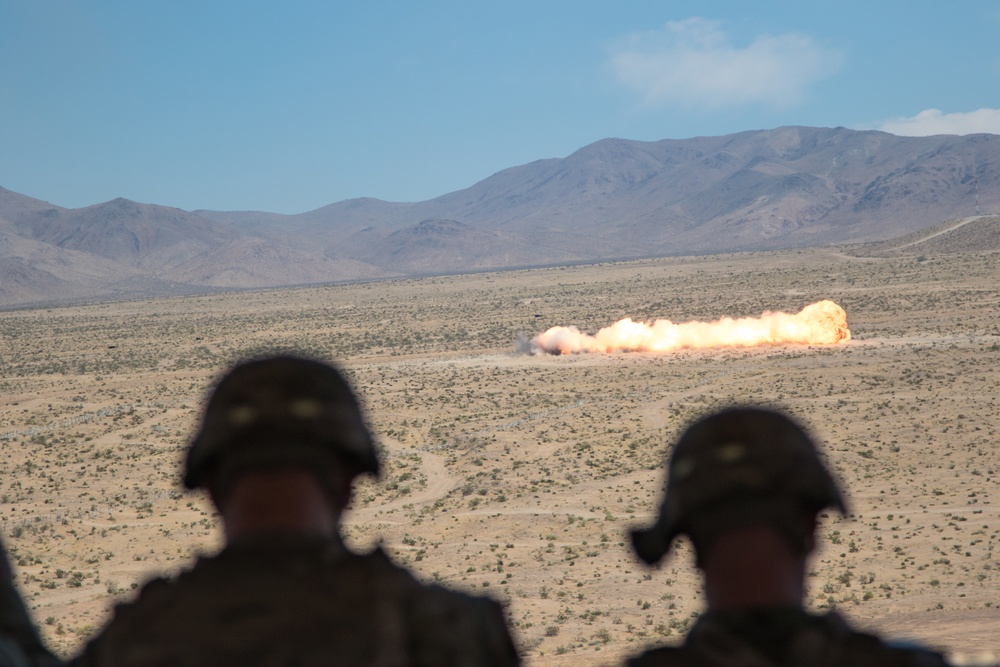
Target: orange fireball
821,323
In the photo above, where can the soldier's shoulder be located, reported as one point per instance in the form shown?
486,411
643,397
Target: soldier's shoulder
19,640
797,638
150,595
126,616
891,653
429,597
864,648
476,624
664,656
160,595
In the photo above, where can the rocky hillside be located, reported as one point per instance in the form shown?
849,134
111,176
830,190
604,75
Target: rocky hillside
614,199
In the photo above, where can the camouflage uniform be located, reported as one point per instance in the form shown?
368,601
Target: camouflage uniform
20,644
739,467
301,604
781,638
294,600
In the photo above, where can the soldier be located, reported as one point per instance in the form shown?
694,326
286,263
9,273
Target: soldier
20,645
746,486
281,440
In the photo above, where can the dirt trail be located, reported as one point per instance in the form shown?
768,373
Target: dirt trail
960,223
439,484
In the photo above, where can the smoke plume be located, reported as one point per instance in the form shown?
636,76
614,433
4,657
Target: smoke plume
820,323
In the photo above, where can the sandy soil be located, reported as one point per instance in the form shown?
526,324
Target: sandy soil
515,475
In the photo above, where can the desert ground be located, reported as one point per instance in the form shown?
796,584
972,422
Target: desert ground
517,476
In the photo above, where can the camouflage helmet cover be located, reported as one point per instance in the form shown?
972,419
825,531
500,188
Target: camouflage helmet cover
737,454
280,408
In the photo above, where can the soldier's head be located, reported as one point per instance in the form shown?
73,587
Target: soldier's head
280,413
741,466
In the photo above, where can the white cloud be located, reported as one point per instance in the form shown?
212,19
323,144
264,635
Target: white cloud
694,63
933,121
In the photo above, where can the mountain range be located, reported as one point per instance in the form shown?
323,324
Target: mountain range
613,199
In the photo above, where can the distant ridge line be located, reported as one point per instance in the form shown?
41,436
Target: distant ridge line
613,200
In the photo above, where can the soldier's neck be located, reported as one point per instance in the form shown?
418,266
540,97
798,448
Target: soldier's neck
278,502
752,568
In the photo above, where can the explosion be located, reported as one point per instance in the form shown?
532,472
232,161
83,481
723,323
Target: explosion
820,323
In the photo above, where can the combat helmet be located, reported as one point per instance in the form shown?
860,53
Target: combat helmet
280,409
740,459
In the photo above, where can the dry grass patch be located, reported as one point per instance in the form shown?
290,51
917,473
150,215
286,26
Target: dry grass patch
518,476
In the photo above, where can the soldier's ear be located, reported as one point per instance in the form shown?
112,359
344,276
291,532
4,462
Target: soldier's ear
341,494
339,483
218,486
214,496
810,524
348,497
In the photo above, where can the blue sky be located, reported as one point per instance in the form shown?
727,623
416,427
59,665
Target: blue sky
288,106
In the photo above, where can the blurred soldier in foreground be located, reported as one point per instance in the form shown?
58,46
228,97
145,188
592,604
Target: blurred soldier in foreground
281,441
20,645
746,486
